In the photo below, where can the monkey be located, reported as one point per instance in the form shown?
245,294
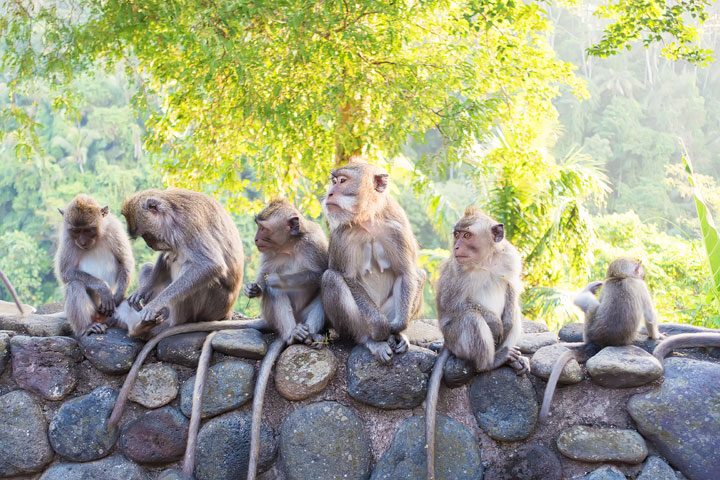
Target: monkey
198,273
613,320
372,287
94,263
478,307
12,292
294,256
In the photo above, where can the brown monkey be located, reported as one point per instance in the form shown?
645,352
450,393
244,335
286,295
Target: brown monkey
12,292
198,274
373,287
612,321
478,307
94,262
294,257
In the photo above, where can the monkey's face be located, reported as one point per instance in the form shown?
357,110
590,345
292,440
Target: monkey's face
473,243
84,236
147,217
353,189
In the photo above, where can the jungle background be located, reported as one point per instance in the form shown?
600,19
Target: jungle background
564,121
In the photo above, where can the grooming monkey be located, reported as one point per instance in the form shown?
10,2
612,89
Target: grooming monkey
198,274
478,307
294,255
613,320
373,287
93,262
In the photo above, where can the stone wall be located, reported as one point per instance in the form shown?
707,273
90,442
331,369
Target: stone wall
336,413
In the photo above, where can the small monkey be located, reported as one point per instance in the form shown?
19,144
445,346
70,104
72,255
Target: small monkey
198,274
372,287
613,320
93,262
294,255
478,307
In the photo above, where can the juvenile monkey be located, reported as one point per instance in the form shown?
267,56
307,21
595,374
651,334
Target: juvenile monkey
478,307
613,320
93,262
373,287
198,274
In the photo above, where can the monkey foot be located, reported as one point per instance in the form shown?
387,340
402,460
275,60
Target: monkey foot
520,365
437,345
380,350
97,328
316,341
301,333
398,342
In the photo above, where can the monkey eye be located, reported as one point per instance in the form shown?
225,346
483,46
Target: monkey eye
466,235
342,179
333,180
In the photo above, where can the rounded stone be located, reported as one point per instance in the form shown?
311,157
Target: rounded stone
156,385
79,430
111,468
457,372
45,365
423,332
572,332
533,463
223,448
402,383
504,404
656,469
112,352
623,367
533,326
183,349
681,417
36,325
301,371
543,360
532,342
155,438
605,473
228,385
24,447
597,444
4,350
243,342
324,440
457,454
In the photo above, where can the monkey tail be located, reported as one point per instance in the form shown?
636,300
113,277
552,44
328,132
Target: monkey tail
258,398
431,410
552,382
12,291
686,340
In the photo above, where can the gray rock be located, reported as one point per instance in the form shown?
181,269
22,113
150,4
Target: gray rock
155,438
681,417
4,350
324,440
112,352
572,332
36,325
183,349
243,342
533,326
504,404
423,332
533,463
532,342
49,308
656,469
79,430
24,446
543,360
457,454
156,385
173,474
301,371
228,385
224,446
457,372
623,367
597,444
605,473
111,468
45,365
402,383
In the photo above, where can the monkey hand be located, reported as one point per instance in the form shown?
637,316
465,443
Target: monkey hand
398,342
252,290
315,340
300,333
380,350
517,362
154,314
97,327
138,299
107,302
437,345
593,287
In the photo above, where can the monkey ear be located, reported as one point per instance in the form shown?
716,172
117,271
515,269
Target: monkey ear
151,204
104,210
381,182
498,232
294,224
62,212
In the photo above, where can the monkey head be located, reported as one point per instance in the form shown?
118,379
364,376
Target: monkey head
626,268
149,214
475,236
357,191
278,224
83,220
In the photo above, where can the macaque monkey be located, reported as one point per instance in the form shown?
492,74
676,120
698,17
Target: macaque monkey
12,292
294,255
478,307
93,262
373,287
198,274
613,320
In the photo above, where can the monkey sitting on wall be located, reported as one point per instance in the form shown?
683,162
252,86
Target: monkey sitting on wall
373,287
613,320
478,307
93,262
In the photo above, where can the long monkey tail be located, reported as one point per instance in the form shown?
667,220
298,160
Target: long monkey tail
12,291
258,398
552,382
686,340
431,410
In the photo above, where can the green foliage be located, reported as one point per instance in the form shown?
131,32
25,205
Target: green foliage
25,263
